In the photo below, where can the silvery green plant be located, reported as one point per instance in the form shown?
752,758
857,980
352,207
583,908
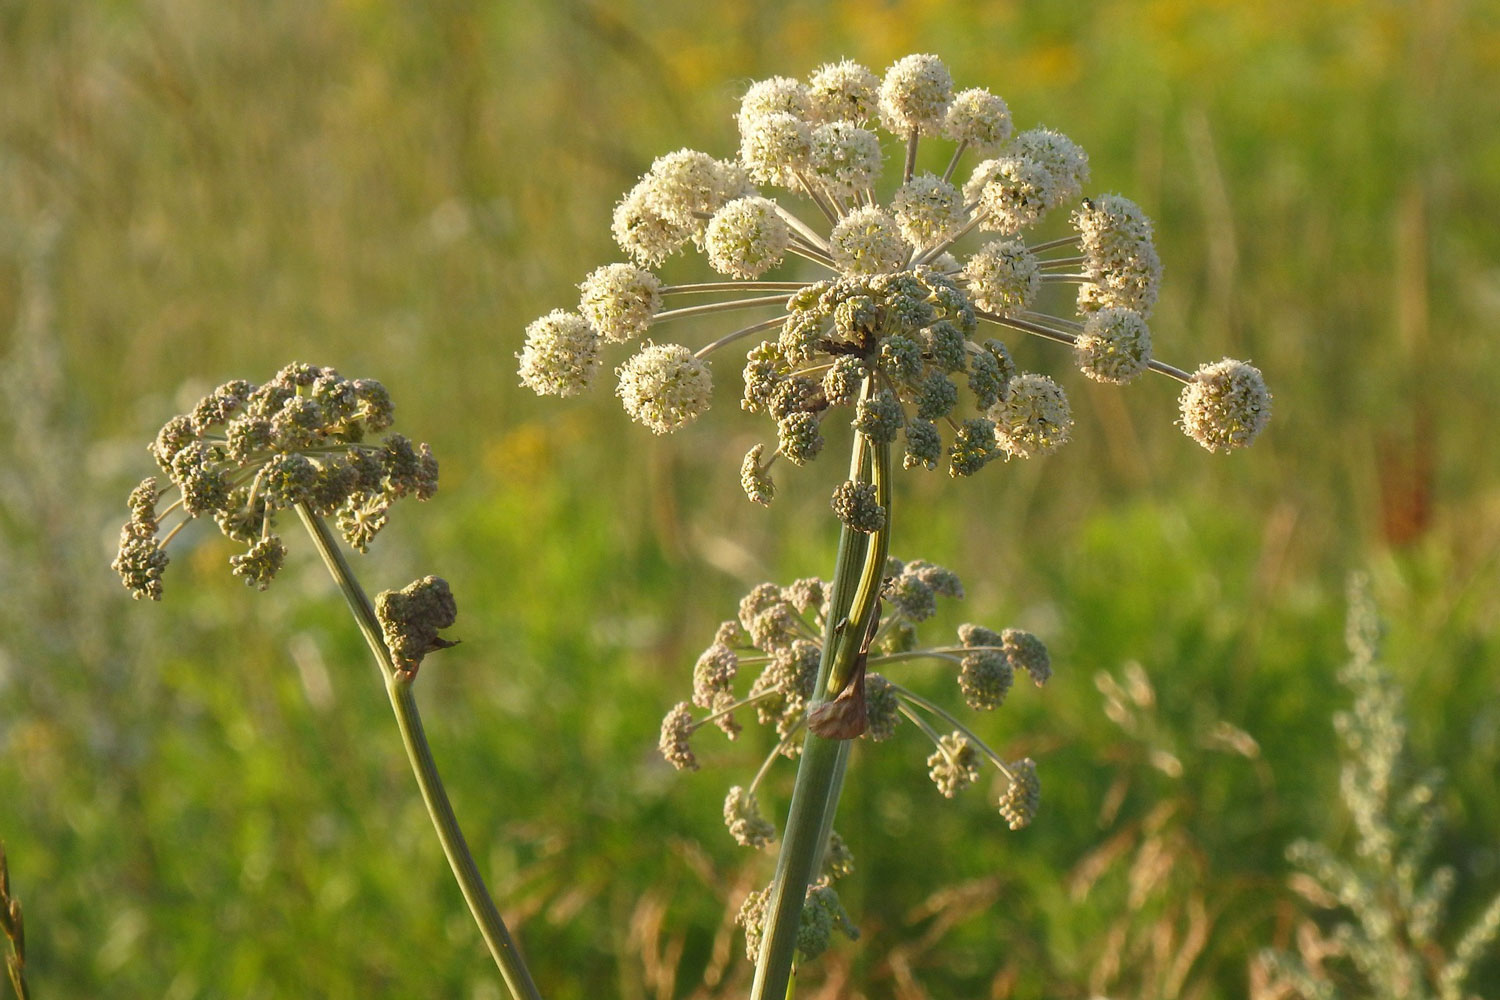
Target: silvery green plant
1386,940
880,312
303,444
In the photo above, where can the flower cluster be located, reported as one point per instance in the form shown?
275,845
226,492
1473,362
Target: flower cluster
879,317
780,632
247,451
410,619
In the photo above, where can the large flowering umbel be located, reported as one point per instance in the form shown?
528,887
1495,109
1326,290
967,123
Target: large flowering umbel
247,452
886,308
778,634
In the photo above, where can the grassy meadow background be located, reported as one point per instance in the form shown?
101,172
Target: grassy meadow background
206,797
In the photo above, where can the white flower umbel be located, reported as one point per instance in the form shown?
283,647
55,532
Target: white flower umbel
895,288
872,297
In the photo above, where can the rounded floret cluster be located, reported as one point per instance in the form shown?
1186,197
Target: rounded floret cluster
876,303
665,386
246,452
1226,405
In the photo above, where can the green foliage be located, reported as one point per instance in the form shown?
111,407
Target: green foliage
205,798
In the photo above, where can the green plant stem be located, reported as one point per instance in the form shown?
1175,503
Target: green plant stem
13,928
409,720
857,575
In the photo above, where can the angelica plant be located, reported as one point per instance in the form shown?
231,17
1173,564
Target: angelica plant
878,303
302,443
1386,940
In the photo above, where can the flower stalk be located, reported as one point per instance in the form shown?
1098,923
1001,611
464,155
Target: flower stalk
857,576
398,685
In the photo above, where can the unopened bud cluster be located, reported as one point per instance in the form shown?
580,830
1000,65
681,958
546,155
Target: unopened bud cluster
411,618
779,632
882,309
246,452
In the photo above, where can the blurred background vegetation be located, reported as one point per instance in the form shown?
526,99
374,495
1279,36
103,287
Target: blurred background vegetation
206,797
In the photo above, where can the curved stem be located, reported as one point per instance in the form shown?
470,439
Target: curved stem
856,586
409,720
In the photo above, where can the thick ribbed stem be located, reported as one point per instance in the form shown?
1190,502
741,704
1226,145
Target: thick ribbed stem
857,575
409,720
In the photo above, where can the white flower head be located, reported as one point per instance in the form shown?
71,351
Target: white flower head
777,94
914,96
1130,282
1115,345
1111,223
842,91
686,183
1033,418
978,119
868,241
643,231
1012,192
774,146
619,300
1119,255
844,157
1226,405
746,238
928,209
665,386
561,355
1002,277
1063,158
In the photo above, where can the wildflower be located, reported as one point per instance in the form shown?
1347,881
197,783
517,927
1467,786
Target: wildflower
902,301
1025,651
665,387
985,678
561,355
915,95
754,479
259,565
842,91
1002,276
924,446
1034,417
1018,803
843,157
1010,193
619,300
928,209
1115,345
855,504
868,241
713,674
1225,405
746,238
743,817
778,94
1066,164
774,147
245,452
676,729
953,765
978,119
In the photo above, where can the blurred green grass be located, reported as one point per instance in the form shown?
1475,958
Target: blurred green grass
204,798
